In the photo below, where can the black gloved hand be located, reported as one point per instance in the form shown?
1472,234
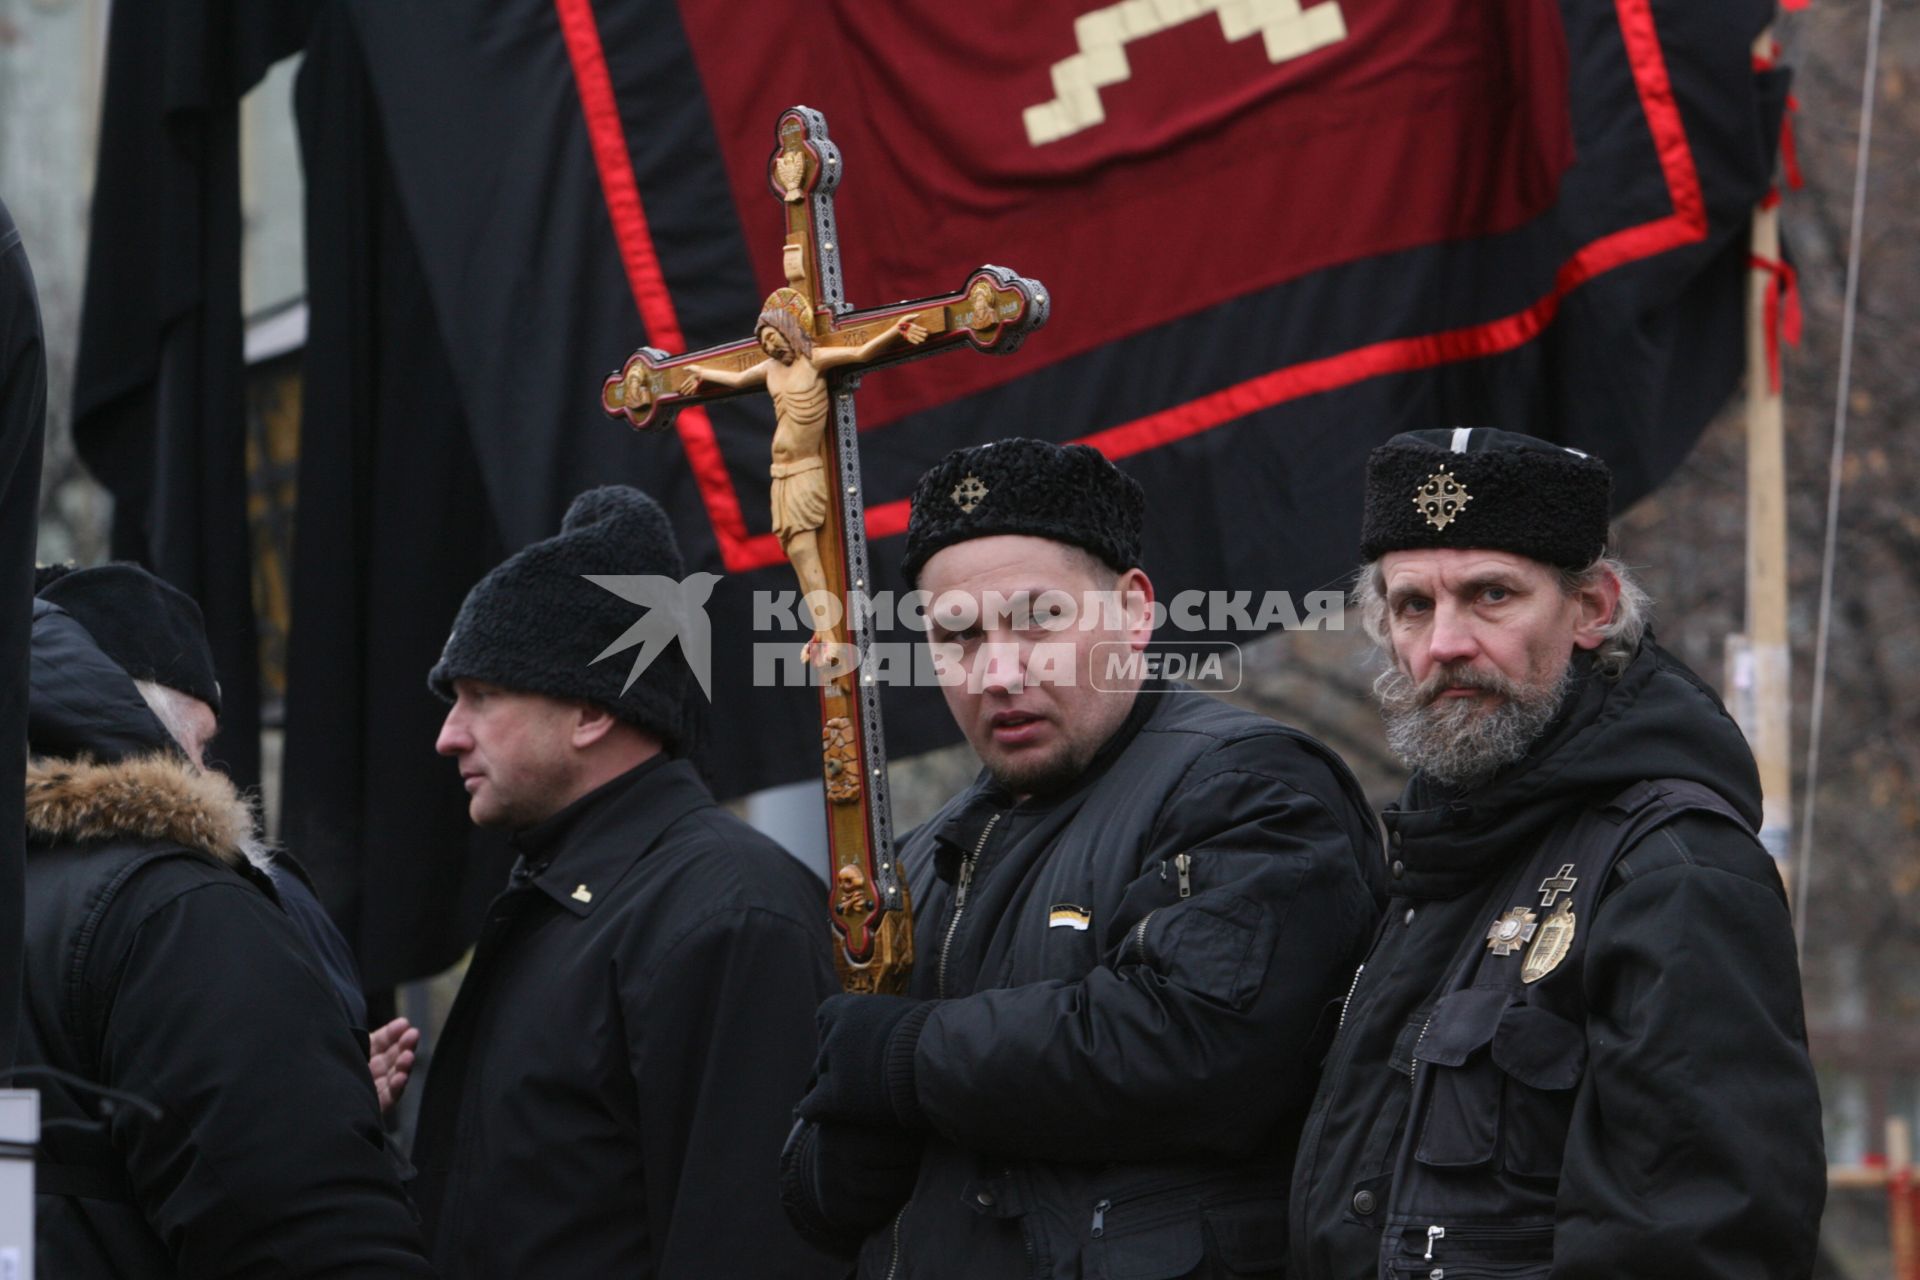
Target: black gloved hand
840,1182
865,1069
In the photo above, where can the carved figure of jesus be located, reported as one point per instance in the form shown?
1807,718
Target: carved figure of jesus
794,374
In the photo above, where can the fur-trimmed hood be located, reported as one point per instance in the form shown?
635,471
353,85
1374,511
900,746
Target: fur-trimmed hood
151,797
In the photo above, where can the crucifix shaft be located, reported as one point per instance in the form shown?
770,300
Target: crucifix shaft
807,347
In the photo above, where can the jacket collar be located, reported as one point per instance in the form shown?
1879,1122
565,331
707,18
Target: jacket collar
960,831
152,797
579,854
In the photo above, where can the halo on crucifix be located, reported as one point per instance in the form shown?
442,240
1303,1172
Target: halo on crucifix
808,348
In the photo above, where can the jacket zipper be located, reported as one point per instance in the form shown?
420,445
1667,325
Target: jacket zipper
1152,1191
1413,1058
1346,1003
960,902
1183,869
1459,1238
893,1261
1336,1062
1138,942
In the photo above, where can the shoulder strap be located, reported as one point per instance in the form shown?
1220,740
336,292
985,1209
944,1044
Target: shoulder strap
1646,806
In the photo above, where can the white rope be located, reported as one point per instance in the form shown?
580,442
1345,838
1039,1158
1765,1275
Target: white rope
1841,396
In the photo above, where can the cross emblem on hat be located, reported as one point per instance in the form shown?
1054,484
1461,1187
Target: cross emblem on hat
1441,498
1555,885
969,493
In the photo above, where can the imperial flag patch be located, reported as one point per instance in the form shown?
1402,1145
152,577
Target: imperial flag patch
1064,915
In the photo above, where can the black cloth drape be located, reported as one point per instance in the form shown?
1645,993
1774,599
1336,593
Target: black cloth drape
159,396
393,528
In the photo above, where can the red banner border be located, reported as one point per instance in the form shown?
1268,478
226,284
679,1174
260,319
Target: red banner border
740,551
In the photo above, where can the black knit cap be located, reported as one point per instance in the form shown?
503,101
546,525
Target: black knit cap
150,628
535,624
1069,493
1489,490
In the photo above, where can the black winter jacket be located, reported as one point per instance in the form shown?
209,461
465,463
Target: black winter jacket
1644,1110
159,964
1130,981
612,1088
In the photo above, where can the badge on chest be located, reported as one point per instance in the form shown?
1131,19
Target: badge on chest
1064,915
1551,938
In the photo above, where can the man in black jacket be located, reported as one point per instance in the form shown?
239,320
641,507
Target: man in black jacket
162,972
1576,1049
610,1092
153,631
1131,933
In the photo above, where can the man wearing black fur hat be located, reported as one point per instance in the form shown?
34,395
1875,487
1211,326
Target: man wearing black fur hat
1577,1047
244,1139
611,1090
1131,929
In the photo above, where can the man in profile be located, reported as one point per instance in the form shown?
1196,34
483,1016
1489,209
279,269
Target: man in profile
163,972
610,1092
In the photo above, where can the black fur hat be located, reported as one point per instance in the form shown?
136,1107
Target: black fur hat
535,624
1069,493
1487,489
150,628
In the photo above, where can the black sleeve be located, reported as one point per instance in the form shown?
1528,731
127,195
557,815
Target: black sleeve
721,1039
322,936
270,1159
1695,1148
1198,1027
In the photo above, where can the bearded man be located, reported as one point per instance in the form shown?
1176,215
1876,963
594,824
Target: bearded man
1577,1047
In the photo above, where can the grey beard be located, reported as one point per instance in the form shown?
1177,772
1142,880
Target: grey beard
1459,743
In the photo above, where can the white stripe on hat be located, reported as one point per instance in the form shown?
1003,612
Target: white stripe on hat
1460,437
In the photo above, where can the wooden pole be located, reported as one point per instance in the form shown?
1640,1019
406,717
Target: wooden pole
1766,663
1905,1248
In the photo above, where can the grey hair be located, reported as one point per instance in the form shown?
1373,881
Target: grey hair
1619,642
169,707
172,709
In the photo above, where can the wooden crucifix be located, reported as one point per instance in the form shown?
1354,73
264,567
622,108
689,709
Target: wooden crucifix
808,350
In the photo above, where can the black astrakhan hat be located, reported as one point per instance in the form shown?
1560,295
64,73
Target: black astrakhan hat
1491,490
1069,493
150,628
535,624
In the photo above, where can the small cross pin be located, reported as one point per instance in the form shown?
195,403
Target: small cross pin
1555,885
582,894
